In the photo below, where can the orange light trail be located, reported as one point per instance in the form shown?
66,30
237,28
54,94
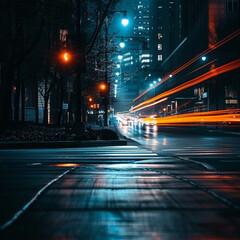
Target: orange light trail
66,165
203,66
231,117
153,104
212,73
211,48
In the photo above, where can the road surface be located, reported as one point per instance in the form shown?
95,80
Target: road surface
121,192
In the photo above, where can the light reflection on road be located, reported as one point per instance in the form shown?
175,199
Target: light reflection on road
173,143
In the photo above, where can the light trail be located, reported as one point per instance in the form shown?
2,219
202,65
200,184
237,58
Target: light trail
184,104
155,103
202,66
230,117
212,73
211,48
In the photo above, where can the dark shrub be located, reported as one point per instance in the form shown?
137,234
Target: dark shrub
107,134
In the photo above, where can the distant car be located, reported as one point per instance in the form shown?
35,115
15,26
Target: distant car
124,122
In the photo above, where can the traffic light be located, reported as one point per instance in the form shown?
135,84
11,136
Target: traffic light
65,57
104,89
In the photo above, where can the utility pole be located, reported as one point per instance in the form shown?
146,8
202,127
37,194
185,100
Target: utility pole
79,77
105,100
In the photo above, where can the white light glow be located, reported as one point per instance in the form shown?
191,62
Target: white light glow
125,22
122,44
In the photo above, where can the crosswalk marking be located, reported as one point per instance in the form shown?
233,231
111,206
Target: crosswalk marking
105,153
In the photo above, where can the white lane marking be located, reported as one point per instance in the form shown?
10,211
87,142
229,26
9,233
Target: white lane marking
34,199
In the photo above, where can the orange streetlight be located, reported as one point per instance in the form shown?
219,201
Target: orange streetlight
103,86
90,99
65,56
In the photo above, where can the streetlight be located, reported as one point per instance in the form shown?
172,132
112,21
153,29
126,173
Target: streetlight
204,58
122,44
117,74
65,56
118,65
124,23
120,57
125,20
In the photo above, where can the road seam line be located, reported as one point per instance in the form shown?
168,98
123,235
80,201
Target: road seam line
205,165
18,214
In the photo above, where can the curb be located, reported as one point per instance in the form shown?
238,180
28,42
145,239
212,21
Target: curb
62,144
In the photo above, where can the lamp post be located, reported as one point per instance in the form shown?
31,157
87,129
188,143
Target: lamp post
124,23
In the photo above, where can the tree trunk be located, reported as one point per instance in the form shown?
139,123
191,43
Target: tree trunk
17,97
45,111
36,100
6,94
61,95
23,96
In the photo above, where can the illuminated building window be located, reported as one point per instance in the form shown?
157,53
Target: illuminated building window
160,57
159,46
159,35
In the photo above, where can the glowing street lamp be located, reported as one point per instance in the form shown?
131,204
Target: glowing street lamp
120,57
102,87
122,44
204,58
65,56
117,74
118,65
125,20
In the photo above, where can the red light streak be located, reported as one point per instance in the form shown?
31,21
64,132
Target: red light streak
202,66
212,73
211,48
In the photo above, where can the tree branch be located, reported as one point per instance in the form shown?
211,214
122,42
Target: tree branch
24,54
99,26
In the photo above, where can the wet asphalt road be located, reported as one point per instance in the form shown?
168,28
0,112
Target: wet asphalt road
122,192
222,152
